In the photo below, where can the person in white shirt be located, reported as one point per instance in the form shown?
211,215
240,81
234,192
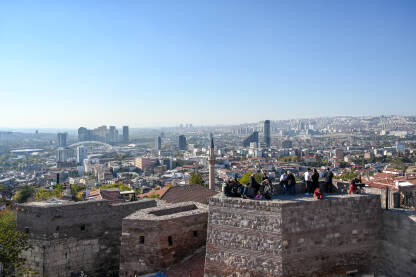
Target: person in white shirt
308,181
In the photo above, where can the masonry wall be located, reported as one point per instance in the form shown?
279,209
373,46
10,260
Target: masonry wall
398,244
292,238
146,246
75,237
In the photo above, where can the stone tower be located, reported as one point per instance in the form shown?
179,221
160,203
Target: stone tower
211,161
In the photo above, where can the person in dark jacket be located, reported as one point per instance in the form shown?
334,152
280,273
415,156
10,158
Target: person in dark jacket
328,180
315,179
291,183
254,183
249,192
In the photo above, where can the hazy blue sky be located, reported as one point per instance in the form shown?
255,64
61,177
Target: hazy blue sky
142,63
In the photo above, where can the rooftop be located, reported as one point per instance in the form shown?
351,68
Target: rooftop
169,211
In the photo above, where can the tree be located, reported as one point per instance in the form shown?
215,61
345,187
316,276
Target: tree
12,243
24,194
245,179
196,178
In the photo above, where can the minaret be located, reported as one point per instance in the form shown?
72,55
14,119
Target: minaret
211,161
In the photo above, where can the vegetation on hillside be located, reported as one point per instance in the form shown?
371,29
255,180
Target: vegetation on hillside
12,243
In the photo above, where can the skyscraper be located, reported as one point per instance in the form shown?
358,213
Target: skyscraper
267,138
254,137
82,154
112,135
211,161
182,142
125,134
62,139
158,143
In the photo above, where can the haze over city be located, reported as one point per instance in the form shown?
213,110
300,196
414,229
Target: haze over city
161,63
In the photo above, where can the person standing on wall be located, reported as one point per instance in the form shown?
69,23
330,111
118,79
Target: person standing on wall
315,180
308,182
328,180
291,183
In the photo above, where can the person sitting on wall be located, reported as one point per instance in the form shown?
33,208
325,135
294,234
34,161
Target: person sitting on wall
266,189
259,196
354,185
254,183
318,194
249,192
283,182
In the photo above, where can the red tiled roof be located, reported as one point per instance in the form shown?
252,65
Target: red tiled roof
195,193
159,192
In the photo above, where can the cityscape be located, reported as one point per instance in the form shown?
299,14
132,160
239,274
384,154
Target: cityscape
208,139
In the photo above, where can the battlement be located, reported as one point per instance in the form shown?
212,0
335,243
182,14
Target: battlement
292,236
74,219
156,238
69,237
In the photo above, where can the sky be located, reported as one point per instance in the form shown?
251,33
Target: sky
65,64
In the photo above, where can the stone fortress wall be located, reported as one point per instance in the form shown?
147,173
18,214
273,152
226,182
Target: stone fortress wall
159,237
297,236
398,243
68,238
293,238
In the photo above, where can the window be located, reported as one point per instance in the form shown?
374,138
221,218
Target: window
141,239
57,228
27,230
82,227
170,240
195,233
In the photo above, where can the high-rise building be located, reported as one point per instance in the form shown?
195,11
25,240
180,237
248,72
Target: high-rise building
64,154
62,139
112,135
82,154
182,142
254,137
146,163
267,138
125,134
211,162
158,143
84,134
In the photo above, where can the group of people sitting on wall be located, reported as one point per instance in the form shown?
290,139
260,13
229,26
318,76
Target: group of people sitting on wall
251,190
265,190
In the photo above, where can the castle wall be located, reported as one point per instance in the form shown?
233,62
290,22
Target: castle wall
73,237
299,237
398,244
156,238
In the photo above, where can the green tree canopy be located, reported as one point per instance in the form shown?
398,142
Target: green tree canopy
245,179
24,194
196,178
12,243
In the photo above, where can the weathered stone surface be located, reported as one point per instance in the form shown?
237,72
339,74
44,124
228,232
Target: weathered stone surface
299,237
156,238
398,244
69,238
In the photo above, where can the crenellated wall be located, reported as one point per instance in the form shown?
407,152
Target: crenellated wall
71,237
156,238
297,237
398,243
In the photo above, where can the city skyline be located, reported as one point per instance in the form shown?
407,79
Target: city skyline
188,125
71,64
